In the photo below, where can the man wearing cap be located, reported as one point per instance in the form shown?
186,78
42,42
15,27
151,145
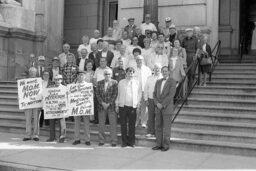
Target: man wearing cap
142,72
198,34
165,29
41,65
191,45
130,28
173,34
148,25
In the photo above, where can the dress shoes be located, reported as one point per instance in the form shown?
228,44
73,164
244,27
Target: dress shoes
157,148
165,149
76,142
61,140
36,139
50,140
113,145
124,145
101,144
26,139
87,143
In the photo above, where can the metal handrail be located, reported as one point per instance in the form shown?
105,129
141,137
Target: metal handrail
217,47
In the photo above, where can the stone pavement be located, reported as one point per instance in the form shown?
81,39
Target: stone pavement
14,153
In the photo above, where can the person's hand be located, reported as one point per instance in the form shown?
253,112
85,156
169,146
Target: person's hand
104,105
159,106
147,103
117,109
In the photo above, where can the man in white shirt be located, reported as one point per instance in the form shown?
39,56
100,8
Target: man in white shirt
99,73
148,97
147,25
96,37
167,45
127,102
142,72
125,39
85,45
63,56
41,65
158,57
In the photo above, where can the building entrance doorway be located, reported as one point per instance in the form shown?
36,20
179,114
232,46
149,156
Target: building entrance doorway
248,26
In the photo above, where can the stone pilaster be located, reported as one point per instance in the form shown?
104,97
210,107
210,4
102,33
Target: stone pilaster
151,7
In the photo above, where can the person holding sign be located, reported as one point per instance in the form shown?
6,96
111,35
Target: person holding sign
70,69
86,118
30,113
57,83
106,93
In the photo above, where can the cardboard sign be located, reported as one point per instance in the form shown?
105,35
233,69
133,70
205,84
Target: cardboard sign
55,103
29,93
80,98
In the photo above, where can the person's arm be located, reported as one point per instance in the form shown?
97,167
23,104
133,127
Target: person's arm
119,86
155,93
114,93
184,55
98,94
170,96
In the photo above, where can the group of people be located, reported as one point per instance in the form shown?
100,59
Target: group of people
135,72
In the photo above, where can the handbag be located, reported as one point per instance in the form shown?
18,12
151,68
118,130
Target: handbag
205,59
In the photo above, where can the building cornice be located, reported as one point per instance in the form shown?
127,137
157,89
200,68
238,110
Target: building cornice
21,34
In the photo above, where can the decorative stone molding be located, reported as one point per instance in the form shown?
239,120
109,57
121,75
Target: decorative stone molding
21,34
18,17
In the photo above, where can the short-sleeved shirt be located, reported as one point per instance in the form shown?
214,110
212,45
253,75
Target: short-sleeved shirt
190,44
149,26
118,74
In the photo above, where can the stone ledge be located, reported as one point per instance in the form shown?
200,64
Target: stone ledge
21,34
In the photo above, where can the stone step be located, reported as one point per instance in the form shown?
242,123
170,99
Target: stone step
9,99
218,109
195,134
236,67
227,89
234,72
222,102
233,81
215,125
11,105
222,94
233,77
235,64
12,93
8,82
211,116
237,83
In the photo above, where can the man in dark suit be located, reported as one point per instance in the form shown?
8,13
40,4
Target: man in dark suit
92,55
164,92
105,53
81,62
106,93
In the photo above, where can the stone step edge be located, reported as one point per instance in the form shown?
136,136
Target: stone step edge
209,92
217,115
215,123
219,107
222,100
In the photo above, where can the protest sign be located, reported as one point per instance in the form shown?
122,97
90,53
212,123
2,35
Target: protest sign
29,93
80,98
55,103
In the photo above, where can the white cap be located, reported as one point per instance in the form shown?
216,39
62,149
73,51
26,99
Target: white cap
172,26
188,29
41,58
140,57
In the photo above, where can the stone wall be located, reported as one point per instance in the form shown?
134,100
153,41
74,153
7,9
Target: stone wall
185,13
80,17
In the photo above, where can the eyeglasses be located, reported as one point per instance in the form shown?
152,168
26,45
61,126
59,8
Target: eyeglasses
160,47
58,79
130,71
107,74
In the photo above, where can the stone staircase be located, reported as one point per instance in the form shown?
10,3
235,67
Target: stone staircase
219,118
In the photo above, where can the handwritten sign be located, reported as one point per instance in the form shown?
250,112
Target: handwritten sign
55,103
29,92
80,98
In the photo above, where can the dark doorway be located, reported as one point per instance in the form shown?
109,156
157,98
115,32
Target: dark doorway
113,12
247,26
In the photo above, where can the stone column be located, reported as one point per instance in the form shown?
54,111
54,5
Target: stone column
151,7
